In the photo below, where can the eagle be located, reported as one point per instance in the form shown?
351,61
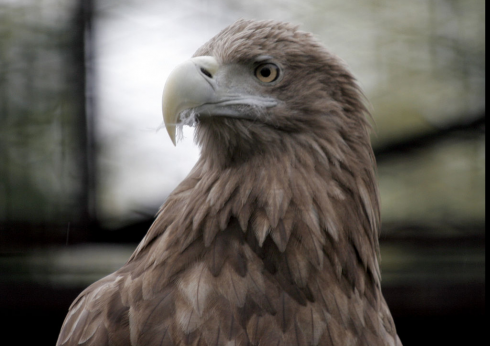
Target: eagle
272,238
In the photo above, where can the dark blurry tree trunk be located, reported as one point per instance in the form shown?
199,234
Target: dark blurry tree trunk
83,58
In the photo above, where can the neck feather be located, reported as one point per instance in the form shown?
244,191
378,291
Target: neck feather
305,199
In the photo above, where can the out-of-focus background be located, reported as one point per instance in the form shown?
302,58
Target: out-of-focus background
83,168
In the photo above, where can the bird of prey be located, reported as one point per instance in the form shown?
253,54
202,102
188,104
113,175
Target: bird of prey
272,238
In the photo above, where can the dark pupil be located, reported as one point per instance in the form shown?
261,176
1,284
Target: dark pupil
265,72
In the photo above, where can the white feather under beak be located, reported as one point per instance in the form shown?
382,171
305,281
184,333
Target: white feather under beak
189,85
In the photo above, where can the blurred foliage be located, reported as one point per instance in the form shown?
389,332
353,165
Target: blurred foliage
443,184
41,112
430,65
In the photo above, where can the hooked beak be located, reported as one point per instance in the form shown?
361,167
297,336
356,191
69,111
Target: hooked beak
195,85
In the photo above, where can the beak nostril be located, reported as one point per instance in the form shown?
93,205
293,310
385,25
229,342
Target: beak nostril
206,72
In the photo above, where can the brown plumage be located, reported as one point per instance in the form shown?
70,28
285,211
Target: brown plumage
272,239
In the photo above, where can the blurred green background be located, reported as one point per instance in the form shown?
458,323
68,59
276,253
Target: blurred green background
83,169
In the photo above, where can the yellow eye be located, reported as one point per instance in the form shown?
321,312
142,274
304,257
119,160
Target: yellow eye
267,73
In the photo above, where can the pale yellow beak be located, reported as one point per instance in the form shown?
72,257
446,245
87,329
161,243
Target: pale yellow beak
210,90
188,86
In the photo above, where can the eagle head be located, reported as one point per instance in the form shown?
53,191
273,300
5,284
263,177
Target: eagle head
261,87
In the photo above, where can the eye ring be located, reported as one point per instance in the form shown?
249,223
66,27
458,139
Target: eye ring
267,73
